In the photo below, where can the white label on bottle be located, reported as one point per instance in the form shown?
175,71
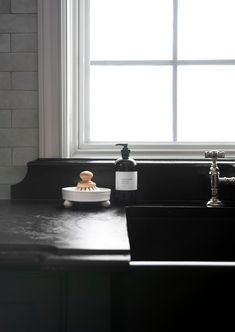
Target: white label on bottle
126,181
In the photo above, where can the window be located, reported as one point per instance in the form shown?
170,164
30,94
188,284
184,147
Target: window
158,74
130,85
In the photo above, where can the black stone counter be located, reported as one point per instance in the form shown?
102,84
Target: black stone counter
45,234
68,270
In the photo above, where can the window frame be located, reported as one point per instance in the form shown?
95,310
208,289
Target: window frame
63,72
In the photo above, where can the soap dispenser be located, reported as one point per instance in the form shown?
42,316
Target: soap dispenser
125,178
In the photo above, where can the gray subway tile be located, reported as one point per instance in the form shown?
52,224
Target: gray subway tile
5,118
18,61
25,118
23,155
18,23
24,6
22,42
5,191
5,6
25,80
5,42
18,99
5,156
11,175
5,80
18,137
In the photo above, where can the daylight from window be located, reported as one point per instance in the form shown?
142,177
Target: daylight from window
161,71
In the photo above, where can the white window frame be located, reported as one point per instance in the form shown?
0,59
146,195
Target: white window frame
62,73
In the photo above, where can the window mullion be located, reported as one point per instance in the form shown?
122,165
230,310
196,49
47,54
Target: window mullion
131,62
175,69
86,130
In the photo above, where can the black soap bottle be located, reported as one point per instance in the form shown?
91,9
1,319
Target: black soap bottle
125,178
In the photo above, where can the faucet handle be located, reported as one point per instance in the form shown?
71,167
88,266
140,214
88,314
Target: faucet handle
214,154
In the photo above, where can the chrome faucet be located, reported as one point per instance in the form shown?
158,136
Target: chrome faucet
215,177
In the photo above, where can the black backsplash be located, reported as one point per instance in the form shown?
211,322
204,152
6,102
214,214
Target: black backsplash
158,180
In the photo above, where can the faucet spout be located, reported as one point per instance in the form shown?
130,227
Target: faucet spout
214,177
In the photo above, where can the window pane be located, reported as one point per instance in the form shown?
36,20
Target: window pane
206,103
130,29
206,29
130,103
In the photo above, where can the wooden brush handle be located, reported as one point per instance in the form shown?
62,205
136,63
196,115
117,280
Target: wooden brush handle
86,182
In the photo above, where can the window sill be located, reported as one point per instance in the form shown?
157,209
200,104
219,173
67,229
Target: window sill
163,152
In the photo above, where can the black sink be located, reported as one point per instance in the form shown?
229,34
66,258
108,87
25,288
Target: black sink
181,233
182,270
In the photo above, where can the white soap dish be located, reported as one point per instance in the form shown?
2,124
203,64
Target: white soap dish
86,191
72,194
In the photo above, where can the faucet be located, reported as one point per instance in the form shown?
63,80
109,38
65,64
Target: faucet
215,177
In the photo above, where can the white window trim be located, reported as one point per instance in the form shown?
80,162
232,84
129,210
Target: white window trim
49,78
58,97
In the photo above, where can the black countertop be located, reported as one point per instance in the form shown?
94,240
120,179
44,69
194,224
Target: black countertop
45,234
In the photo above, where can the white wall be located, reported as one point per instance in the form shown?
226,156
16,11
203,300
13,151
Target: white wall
18,90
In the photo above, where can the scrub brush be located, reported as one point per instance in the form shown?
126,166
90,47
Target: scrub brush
86,184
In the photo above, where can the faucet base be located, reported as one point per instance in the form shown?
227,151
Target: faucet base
214,202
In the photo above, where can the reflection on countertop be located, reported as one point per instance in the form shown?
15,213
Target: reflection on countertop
47,227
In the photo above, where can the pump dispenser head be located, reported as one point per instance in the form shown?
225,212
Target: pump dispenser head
125,151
